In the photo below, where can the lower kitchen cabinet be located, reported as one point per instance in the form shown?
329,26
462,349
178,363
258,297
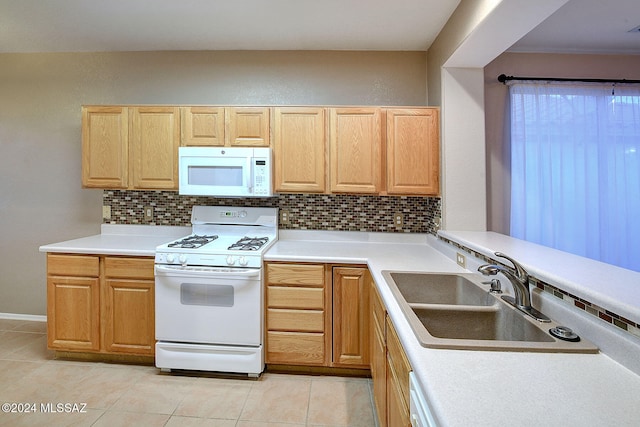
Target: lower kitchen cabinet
73,302
389,368
98,304
296,314
378,354
309,320
397,408
351,316
128,306
398,369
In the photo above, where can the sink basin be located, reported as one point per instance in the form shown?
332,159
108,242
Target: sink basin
500,323
456,311
439,288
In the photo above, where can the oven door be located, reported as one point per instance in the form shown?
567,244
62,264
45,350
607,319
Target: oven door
209,305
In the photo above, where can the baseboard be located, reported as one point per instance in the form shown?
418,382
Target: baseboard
31,317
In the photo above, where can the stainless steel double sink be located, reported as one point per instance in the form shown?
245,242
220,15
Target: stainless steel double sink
456,311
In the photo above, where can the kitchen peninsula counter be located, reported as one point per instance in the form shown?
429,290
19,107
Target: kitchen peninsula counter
483,388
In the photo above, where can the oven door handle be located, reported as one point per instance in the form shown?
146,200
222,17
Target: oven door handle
206,272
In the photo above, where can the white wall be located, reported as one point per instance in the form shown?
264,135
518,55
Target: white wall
477,32
463,150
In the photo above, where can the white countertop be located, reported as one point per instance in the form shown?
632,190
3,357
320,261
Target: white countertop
479,388
135,240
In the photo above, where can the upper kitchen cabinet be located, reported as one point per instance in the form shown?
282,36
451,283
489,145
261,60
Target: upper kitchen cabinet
355,141
248,126
155,137
130,147
105,147
413,162
299,149
202,126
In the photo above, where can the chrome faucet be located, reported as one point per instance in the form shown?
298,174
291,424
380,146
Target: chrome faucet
519,278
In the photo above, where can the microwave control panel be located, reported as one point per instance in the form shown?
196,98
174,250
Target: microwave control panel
261,178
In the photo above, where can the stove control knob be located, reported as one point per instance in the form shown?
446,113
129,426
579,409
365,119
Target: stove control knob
243,261
171,258
182,259
230,260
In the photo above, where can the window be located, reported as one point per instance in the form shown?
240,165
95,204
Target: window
575,168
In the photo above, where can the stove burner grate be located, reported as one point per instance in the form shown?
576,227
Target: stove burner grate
248,244
192,242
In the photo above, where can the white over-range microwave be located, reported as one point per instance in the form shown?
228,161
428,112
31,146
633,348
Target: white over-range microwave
225,171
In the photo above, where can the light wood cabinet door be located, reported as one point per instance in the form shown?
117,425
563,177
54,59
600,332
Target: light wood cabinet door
355,140
299,150
129,305
248,126
398,412
351,316
202,126
398,369
129,317
413,151
73,313
378,355
105,147
73,302
155,137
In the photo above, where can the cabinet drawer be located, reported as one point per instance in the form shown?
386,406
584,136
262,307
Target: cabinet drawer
295,320
397,407
73,265
302,298
296,274
130,268
377,308
295,348
398,360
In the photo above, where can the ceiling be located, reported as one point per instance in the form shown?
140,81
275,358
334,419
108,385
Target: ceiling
587,26
581,26
146,25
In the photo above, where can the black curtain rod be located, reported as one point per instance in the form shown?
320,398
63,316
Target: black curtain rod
502,78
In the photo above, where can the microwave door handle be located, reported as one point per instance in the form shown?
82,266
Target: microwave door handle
249,174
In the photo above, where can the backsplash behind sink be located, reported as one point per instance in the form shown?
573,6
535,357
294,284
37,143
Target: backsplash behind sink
336,212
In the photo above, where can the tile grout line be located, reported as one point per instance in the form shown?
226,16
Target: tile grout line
244,404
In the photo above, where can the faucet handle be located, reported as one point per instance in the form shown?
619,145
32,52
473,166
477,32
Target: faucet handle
496,287
520,271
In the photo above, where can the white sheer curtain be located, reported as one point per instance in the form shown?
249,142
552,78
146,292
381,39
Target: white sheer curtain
575,168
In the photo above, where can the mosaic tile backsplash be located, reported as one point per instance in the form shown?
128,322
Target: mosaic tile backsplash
336,212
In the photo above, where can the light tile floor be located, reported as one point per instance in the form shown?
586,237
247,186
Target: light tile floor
132,395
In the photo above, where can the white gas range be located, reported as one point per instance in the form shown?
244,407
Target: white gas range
209,291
